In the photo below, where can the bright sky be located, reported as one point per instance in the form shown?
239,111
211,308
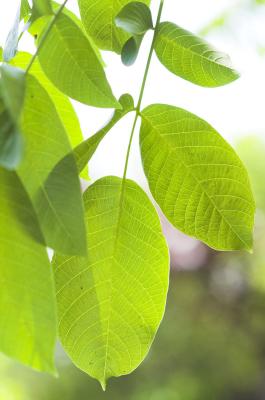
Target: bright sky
233,110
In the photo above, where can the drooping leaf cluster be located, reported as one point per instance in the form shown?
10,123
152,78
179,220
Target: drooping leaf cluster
105,291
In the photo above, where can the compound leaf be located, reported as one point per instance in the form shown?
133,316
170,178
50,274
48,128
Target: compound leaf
135,18
98,18
71,63
197,178
12,92
49,173
192,58
27,296
84,151
110,304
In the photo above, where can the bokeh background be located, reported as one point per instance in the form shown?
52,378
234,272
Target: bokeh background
211,344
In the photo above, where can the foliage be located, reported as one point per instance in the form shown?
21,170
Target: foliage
110,261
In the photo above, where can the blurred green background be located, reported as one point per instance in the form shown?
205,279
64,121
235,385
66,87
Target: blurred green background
211,344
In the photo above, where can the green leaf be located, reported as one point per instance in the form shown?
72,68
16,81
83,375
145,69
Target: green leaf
131,49
110,305
49,173
27,296
192,58
135,18
11,43
85,150
197,178
25,9
40,8
62,104
12,92
98,18
70,62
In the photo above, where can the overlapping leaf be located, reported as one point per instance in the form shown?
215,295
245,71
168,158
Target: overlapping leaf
191,58
135,18
85,150
27,298
49,173
111,304
62,104
71,63
99,21
196,177
12,91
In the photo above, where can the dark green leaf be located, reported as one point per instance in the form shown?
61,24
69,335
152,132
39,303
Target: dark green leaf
135,18
12,92
192,58
131,49
27,296
70,62
98,18
85,150
197,178
49,173
110,305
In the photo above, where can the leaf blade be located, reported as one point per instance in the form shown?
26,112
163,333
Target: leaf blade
71,63
208,194
99,22
135,18
27,298
49,174
192,58
108,338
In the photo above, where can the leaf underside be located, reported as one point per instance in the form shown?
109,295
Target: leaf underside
110,305
71,63
98,18
192,58
196,178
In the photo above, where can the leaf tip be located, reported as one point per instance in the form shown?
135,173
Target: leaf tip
103,384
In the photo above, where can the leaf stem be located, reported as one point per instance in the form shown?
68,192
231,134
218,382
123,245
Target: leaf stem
139,103
45,35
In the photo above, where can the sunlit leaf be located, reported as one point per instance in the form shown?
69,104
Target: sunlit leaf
70,62
135,18
12,92
99,21
40,8
25,9
62,104
27,296
111,304
191,58
49,173
85,150
197,178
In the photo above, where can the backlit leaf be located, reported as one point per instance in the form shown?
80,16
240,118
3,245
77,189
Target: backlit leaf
40,8
99,21
12,38
110,304
85,150
197,178
192,58
49,173
62,104
70,62
27,296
